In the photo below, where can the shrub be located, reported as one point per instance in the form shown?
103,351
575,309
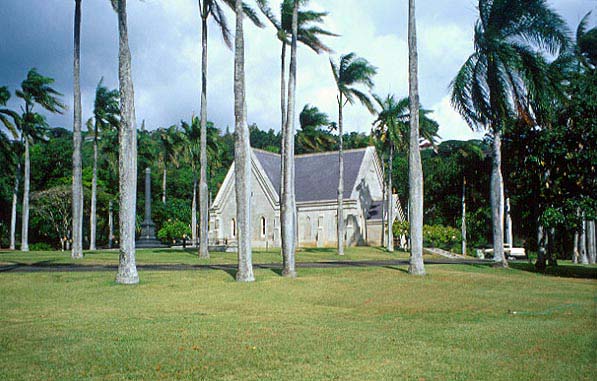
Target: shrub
445,237
173,230
40,246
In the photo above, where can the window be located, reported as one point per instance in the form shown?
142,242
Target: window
233,227
263,226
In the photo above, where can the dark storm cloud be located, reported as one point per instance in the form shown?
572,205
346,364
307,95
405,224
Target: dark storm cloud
164,38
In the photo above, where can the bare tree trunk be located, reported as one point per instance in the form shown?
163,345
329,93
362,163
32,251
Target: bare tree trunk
415,168
509,232
552,257
283,125
93,212
194,213
463,227
203,192
541,248
288,209
127,269
584,258
390,243
340,211
591,241
110,224
497,201
242,155
25,212
383,207
13,211
77,247
164,184
575,253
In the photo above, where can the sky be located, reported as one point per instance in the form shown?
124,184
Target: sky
165,38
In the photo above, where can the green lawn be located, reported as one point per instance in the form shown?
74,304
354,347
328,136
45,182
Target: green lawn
190,256
459,322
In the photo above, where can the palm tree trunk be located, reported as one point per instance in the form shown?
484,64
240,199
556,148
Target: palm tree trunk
415,168
552,258
508,222
383,206
242,155
203,208
390,243
77,204
497,201
541,248
584,258
283,125
25,212
164,185
13,211
340,211
288,215
463,227
194,213
110,224
93,212
127,269
591,253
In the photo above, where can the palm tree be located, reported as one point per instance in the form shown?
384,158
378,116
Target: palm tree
301,26
105,117
13,151
391,127
77,204
308,33
498,80
242,155
191,134
415,168
311,138
169,146
288,198
207,8
349,72
127,154
35,90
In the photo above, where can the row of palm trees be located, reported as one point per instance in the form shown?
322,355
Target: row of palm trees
295,24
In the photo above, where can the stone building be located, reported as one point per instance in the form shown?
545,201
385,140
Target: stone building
316,180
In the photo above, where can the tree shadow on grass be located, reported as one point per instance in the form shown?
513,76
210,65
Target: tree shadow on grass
396,268
227,269
564,270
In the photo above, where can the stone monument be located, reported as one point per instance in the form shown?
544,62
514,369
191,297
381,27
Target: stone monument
148,238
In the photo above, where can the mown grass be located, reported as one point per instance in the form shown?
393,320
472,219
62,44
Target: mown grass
190,256
459,322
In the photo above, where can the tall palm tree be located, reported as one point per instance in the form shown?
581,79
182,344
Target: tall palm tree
294,25
191,134
35,90
169,148
77,189
392,128
242,155
105,117
350,72
311,138
13,151
498,80
209,8
288,199
415,168
127,154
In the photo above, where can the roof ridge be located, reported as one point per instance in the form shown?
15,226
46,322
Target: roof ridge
265,151
332,152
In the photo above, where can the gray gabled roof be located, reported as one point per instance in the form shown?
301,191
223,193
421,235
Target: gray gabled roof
316,175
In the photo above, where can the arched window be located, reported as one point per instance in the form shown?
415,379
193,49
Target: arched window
307,228
233,227
263,227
